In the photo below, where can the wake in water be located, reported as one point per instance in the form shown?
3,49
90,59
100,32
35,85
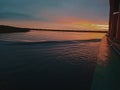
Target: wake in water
48,42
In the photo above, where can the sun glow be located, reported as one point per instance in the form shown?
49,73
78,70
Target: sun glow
62,23
82,24
87,26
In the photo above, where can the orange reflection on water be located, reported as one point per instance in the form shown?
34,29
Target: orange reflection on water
59,36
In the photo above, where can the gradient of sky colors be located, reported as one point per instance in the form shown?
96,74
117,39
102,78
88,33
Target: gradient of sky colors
56,14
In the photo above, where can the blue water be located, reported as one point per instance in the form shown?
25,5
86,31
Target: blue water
48,60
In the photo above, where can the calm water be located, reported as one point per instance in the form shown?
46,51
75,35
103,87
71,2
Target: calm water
37,36
40,60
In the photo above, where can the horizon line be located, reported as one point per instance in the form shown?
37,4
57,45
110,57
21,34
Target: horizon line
60,30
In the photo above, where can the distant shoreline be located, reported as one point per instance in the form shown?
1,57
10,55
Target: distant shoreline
70,30
10,29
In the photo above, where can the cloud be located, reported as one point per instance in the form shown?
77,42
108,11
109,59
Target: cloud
78,8
54,10
12,15
19,16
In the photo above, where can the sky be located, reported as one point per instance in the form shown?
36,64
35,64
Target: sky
56,14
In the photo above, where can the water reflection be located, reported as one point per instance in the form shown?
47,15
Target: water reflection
104,52
49,36
106,75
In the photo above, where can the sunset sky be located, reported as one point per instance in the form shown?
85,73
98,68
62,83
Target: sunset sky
56,14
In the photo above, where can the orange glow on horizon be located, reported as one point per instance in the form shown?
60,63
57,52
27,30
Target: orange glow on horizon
85,24
62,23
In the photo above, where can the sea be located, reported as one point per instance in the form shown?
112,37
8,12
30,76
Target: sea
48,60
